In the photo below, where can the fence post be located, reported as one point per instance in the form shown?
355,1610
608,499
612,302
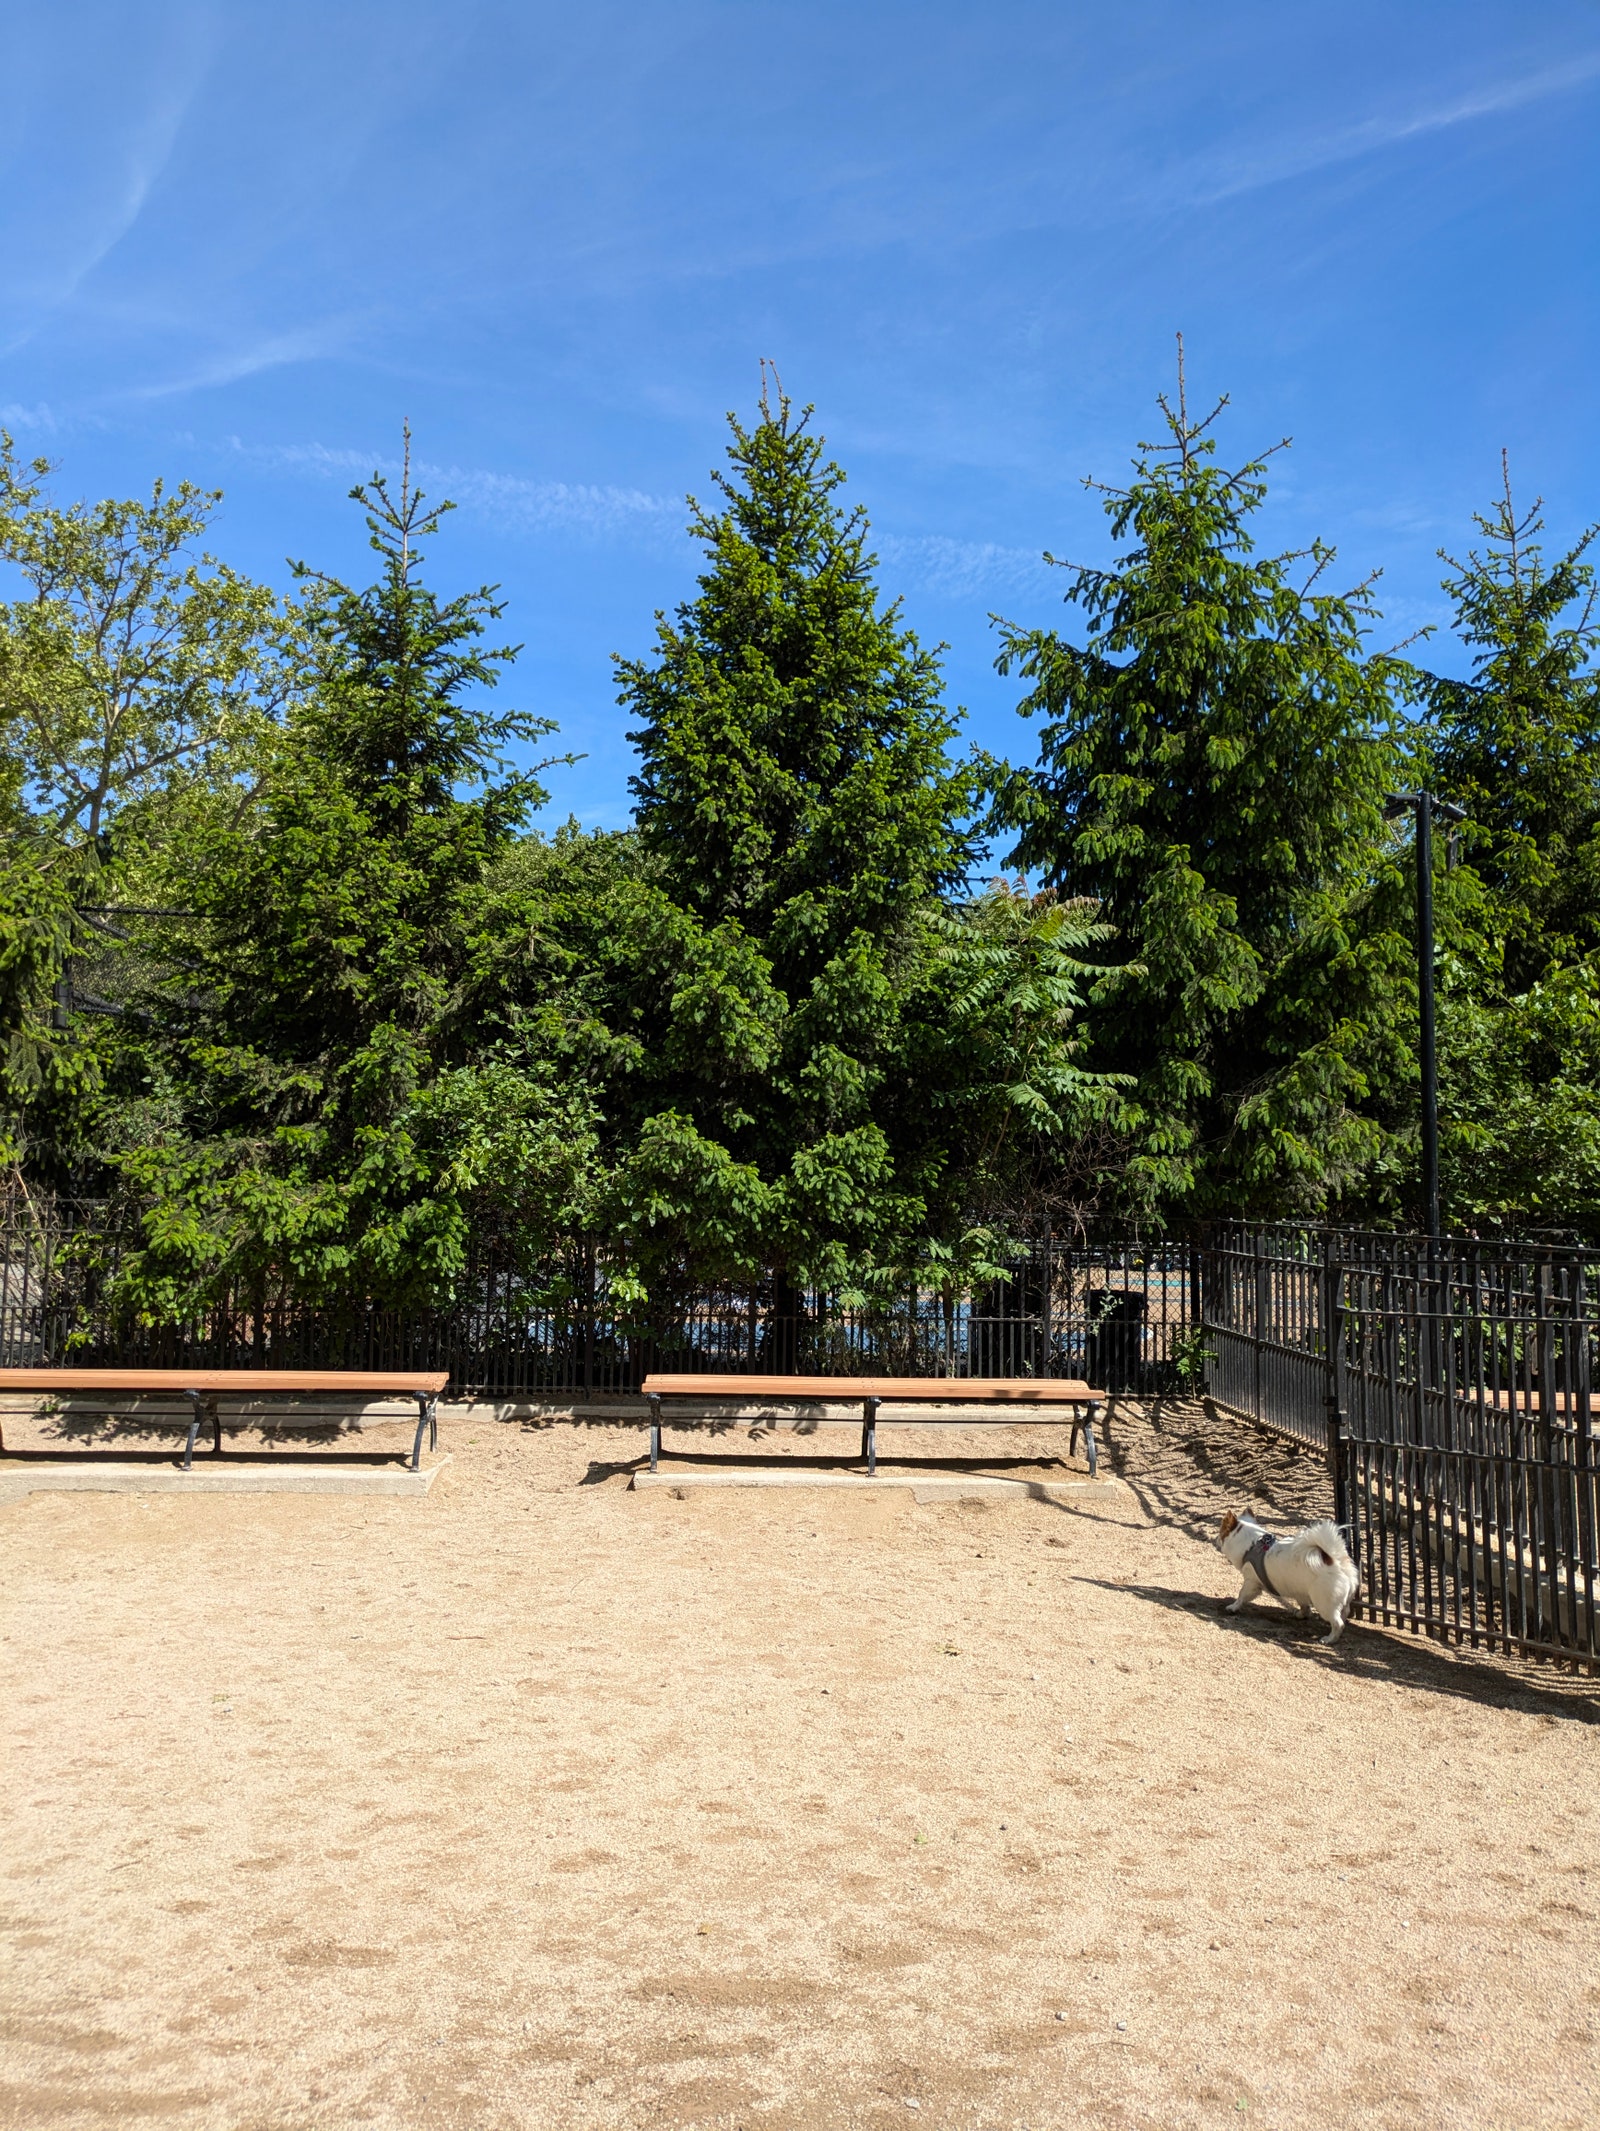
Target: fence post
1331,1305
1046,1328
1583,1568
588,1319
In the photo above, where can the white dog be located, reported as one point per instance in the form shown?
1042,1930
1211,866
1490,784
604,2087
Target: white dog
1311,1570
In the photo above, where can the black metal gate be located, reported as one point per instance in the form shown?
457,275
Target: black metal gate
1451,1388
1465,1409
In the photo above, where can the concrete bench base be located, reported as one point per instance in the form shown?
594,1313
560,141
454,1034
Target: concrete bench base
230,1478
951,1487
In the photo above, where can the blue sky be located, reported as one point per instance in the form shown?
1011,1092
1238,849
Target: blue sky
240,243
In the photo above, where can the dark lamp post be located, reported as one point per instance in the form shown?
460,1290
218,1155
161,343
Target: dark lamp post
1425,807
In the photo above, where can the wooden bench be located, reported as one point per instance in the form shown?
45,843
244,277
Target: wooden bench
874,1392
203,1388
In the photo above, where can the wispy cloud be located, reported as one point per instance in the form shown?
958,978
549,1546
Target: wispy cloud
1224,176
961,569
598,509
305,344
928,562
595,508
71,239
39,416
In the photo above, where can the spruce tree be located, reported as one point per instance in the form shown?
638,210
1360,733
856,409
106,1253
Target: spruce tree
1212,768
307,1114
800,817
793,733
1517,743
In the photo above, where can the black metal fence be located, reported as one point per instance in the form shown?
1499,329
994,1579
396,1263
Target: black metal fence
1452,1388
1117,1312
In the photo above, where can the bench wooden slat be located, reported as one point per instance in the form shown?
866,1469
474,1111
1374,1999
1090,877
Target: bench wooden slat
913,1390
410,1381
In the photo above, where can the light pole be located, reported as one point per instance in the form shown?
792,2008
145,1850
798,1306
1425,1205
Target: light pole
1425,806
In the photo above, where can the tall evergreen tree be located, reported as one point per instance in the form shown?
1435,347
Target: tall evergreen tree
797,803
793,735
306,1113
1517,743
1212,770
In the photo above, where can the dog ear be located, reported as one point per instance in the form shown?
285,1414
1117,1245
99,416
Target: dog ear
1230,1523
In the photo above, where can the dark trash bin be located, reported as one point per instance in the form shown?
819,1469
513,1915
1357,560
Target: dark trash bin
1114,1350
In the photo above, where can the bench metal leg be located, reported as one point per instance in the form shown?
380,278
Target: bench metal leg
869,1434
655,1432
427,1417
1086,1425
201,1405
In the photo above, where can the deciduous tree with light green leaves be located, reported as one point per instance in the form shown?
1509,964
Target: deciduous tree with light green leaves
135,663
139,680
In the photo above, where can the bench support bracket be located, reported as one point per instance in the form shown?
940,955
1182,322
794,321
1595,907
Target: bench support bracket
655,1431
203,1405
427,1418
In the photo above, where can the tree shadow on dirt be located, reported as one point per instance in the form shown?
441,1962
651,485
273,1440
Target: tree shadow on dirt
1186,1463
688,1463
155,1435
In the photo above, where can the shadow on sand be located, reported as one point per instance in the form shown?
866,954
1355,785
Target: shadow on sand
1387,1654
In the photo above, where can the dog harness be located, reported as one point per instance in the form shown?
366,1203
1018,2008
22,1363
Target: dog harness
1256,1559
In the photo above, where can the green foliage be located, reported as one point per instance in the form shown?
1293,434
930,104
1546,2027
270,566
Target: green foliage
139,680
40,886
1517,744
1005,1004
308,1119
801,819
397,673
1212,772
792,735
771,1035
1520,1105
133,665
800,1055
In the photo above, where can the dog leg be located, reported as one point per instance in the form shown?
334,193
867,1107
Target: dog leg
1336,1629
1249,1591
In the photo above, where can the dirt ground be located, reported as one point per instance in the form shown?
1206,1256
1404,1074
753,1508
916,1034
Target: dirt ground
540,1802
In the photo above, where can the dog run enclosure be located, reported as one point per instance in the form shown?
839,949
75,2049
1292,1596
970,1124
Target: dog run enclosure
1451,1391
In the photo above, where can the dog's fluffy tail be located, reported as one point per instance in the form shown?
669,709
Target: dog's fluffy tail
1328,1541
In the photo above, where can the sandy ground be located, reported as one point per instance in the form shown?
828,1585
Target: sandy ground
541,1802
